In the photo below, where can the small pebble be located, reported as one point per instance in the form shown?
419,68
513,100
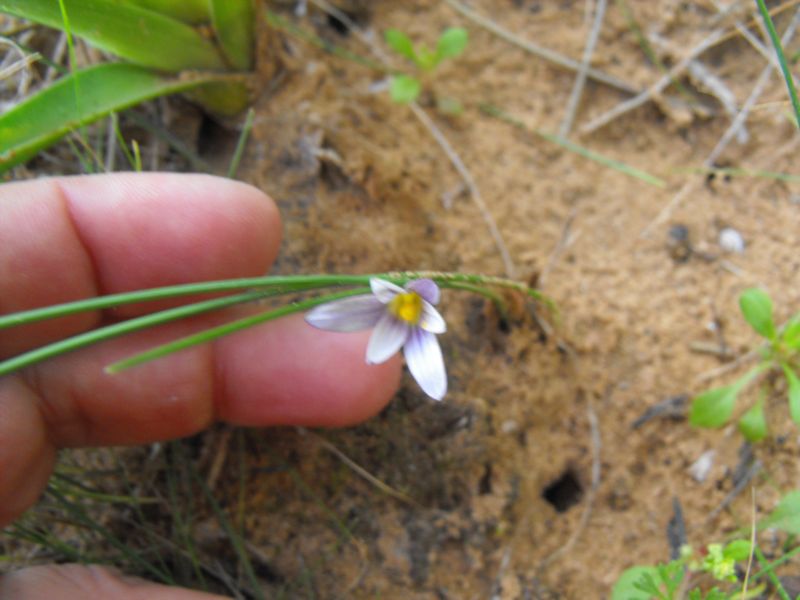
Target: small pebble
700,468
731,240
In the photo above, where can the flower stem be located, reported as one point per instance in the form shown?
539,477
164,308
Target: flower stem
226,329
104,333
288,283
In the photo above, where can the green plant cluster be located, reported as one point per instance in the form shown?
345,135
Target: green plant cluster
673,580
406,88
163,48
780,354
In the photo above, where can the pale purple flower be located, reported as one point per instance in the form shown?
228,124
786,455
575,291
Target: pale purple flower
400,318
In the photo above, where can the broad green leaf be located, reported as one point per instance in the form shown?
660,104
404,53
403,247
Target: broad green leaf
451,43
234,25
404,89
738,550
786,516
753,424
131,32
626,589
791,333
400,43
46,116
756,307
188,11
714,407
793,383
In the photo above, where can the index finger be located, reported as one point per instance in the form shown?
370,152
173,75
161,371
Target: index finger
69,238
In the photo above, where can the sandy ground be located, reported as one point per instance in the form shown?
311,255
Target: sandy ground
531,479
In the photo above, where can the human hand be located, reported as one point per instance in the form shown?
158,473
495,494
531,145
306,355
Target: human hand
70,238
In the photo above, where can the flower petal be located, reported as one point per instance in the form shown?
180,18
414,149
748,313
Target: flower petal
425,288
424,359
347,314
384,290
431,320
387,338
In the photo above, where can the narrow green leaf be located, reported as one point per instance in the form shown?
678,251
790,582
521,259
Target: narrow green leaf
713,408
214,333
577,148
234,25
787,73
756,307
626,587
791,333
188,11
753,424
400,43
45,117
793,383
451,43
786,516
404,89
131,32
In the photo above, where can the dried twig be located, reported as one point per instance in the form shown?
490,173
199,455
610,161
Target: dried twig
359,470
758,89
545,53
469,181
658,87
580,79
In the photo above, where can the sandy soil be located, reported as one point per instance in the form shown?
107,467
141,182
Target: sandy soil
532,479
362,183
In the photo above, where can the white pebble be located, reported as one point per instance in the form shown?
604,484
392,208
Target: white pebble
731,240
700,468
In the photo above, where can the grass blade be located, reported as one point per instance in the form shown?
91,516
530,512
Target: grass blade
136,34
214,333
776,42
117,329
47,116
611,163
234,25
241,143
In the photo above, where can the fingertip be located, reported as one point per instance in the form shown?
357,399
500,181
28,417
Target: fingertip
288,373
216,228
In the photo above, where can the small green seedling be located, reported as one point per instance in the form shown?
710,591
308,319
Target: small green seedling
667,581
781,354
406,88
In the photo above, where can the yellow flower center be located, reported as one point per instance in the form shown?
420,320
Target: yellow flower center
407,307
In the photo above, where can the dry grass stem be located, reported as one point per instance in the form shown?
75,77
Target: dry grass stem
758,89
474,190
361,471
580,79
544,53
655,89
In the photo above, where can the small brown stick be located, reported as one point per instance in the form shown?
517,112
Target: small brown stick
580,79
758,89
541,52
359,470
564,242
740,485
656,88
469,181
220,456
